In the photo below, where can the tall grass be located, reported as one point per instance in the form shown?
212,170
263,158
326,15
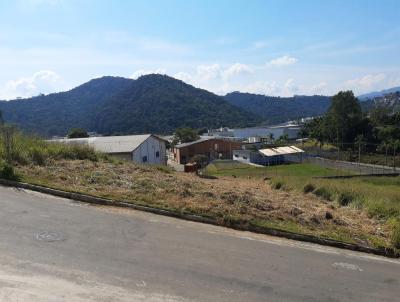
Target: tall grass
34,150
380,196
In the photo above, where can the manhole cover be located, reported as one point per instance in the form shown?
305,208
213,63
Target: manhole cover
49,236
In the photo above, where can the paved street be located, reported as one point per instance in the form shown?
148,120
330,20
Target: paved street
53,249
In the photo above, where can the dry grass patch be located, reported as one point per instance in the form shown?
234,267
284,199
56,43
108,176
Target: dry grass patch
226,198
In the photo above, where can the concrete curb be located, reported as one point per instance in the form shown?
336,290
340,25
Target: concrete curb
237,225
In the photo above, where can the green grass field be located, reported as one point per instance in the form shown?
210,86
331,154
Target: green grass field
379,195
236,169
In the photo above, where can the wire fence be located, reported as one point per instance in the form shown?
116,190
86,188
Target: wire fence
329,161
365,158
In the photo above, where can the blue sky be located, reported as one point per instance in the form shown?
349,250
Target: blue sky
269,47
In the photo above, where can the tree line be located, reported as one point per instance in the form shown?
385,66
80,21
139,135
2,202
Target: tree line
347,127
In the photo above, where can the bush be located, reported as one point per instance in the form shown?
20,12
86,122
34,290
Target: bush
278,185
323,193
38,155
7,172
346,197
308,188
395,233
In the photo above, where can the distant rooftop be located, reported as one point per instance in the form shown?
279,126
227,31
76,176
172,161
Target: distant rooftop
280,151
110,144
206,138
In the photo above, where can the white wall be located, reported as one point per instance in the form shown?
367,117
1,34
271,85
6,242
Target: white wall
149,148
243,157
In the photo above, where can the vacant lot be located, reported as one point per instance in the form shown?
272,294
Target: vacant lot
227,198
380,195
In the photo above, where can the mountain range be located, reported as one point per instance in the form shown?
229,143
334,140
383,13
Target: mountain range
280,109
375,94
114,105
152,103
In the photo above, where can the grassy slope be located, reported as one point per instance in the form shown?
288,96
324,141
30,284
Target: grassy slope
245,199
379,196
226,198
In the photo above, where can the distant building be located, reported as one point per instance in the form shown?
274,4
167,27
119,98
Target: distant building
250,157
270,156
213,148
143,149
292,131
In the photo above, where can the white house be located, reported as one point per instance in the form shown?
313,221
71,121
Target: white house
269,156
144,149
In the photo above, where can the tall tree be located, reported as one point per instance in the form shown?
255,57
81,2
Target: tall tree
343,118
185,135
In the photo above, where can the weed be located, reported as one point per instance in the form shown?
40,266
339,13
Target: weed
278,185
346,197
38,156
395,232
309,187
7,172
323,193
163,169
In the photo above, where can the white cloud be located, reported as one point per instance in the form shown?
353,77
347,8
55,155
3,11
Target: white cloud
237,69
209,72
318,88
141,72
215,71
271,88
283,61
290,87
183,76
365,83
44,81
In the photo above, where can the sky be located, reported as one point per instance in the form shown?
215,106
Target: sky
279,48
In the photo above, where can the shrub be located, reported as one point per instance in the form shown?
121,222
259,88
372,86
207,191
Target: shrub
278,185
7,172
38,155
346,197
308,188
323,193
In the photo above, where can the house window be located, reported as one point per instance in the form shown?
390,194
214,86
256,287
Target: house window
244,157
236,155
144,159
158,154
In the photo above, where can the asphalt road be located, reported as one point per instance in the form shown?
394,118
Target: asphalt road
53,249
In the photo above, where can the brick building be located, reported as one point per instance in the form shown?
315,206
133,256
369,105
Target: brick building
213,148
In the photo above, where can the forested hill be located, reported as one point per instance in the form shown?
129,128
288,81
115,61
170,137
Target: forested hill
56,113
390,102
113,105
160,104
280,109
